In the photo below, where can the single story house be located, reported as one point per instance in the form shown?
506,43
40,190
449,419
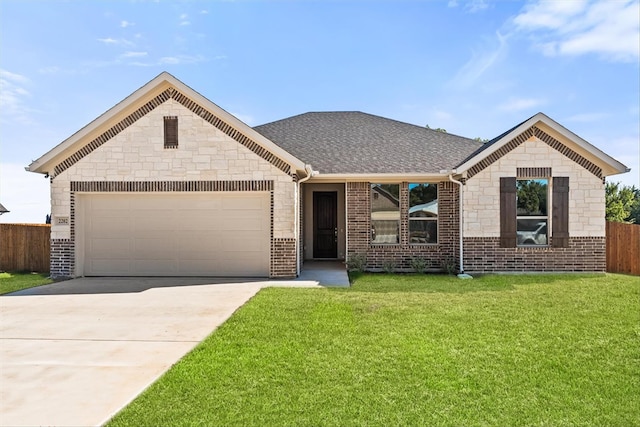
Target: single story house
167,183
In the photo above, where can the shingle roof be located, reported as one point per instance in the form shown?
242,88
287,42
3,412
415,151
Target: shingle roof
491,142
355,142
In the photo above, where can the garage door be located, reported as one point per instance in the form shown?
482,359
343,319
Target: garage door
173,234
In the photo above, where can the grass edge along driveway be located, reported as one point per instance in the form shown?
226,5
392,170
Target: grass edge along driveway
12,282
414,350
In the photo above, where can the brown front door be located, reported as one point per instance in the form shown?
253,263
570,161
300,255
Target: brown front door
325,224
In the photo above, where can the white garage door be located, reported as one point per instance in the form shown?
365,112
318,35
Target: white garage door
173,234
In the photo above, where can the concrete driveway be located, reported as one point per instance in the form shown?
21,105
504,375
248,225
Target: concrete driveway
76,352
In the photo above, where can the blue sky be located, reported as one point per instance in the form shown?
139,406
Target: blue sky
474,68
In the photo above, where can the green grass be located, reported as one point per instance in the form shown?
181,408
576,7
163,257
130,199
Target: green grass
548,350
11,282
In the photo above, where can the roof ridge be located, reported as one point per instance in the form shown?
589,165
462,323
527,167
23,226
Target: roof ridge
365,114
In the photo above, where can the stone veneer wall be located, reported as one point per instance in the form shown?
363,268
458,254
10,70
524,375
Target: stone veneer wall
359,230
535,153
484,255
135,157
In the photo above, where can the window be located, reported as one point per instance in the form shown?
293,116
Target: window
532,218
423,213
171,132
385,213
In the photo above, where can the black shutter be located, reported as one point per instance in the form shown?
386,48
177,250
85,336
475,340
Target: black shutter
508,212
170,132
560,221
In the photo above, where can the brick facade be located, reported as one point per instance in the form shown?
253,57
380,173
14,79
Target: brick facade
359,230
283,258
62,260
484,255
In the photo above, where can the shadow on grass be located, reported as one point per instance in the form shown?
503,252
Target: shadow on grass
442,283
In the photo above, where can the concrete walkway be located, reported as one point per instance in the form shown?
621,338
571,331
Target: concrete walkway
325,273
74,353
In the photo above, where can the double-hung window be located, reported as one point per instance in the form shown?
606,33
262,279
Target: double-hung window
385,213
423,213
532,206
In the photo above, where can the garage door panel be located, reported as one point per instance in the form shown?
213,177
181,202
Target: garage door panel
179,234
242,224
110,248
242,203
197,223
198,242
247,243
108,229
111,213
150,224
144,267
110,267
161,249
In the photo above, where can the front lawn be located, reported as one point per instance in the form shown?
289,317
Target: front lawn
11,282
414,350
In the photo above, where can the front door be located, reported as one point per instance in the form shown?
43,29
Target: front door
325,224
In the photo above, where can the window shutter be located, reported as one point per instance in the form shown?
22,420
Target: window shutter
171,132
508,212
560,221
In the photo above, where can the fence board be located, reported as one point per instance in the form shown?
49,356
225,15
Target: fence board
623,248
25,247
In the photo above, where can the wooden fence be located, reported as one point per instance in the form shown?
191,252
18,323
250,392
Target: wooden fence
25,247
623,248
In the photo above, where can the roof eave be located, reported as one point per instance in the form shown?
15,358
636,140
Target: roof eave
611,165
47,162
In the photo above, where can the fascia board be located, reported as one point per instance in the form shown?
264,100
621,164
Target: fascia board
612,165
40,164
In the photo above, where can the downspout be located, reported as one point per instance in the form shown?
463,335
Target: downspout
310,172
461,216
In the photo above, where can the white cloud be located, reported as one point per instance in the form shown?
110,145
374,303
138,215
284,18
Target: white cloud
471,6
204,12
133,54
115,42
587,117
16,78
125,24
608,28
49,70
519,104
24,194
13,95
171,60
184,20
476,6
181,59
480,62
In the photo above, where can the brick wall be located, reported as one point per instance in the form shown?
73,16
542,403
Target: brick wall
484,255
62,258
359,230
283,258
